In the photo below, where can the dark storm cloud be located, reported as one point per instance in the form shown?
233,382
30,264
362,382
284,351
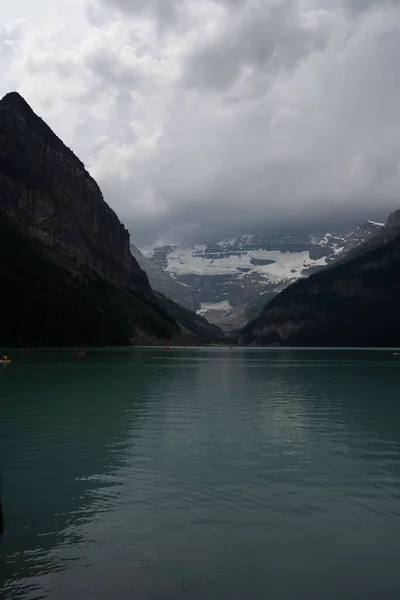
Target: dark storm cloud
207,119
265,39
360,6
162,8
165,11
108,67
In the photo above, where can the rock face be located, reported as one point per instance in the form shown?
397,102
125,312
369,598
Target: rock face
354,303
65,265
179,301
386,233
49,195
232,280
161,281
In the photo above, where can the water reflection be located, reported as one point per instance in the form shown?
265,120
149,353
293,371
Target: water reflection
202,473
66,428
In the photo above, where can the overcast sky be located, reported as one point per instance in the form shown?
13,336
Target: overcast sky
202,119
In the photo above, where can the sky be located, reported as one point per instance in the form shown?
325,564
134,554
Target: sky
204,119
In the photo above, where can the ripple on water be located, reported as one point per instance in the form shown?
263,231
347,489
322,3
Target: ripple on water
204,473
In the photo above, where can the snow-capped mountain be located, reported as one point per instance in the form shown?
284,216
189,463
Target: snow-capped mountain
233,279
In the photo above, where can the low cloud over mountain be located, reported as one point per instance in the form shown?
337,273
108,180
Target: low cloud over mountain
205,119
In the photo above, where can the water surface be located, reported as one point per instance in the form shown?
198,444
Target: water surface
201,474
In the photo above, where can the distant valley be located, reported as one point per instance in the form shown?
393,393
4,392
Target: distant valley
72,276
230,281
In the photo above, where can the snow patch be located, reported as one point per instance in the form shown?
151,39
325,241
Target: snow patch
377,224
284,265
223,306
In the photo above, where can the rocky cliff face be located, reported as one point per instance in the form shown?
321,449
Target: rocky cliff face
386,232
50,196
161,281
352,304
66,269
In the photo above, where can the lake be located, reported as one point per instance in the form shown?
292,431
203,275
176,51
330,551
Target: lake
207,473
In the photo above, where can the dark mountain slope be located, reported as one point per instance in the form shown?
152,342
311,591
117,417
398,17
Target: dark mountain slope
162,282
384,235
45,304
50,196
193,324
356,303
66,272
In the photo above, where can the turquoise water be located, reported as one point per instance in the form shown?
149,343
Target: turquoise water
201,474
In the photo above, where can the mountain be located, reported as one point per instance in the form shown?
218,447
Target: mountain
178,300
231,280
385,233
67,273
354,303
161,281
192,324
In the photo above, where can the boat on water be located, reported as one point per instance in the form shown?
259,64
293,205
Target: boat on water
5,361
396,353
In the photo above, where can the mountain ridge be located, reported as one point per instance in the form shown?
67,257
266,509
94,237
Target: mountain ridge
352,303
228,277
57,201
66,268
161,281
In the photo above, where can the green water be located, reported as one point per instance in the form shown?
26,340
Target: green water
201,474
